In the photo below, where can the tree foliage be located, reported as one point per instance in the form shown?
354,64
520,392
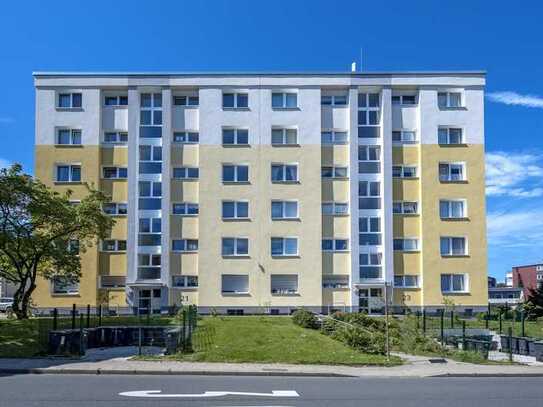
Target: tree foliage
42,232
533,306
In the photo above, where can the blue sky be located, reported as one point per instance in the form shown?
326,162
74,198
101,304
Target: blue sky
504,39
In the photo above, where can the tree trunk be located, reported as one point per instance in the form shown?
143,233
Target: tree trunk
22,297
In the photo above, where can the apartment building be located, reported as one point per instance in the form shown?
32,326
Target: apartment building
267,192
527,277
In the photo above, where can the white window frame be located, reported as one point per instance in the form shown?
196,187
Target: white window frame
284,138
449,203
283,254
73,132
112,287
403,171
71,93
368,189
117,137
236,140
283,203
236,239
236,175
187,134
403,140
188,98
70,177
335,245
334,169
448,93
116,249
333,101
452,290
284,291
236,95
450,244
333,205
367,149
117,204
185,245
236,216
284,166
403,205
117,168
151,189
403,239
117,102
186,206
72,288
152,109
235,292
284,96
448,130
333,135
403,283
185,279
149,257
185,176
450,165
152,149
402,103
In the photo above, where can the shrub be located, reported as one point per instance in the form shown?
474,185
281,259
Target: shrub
361,340
305,319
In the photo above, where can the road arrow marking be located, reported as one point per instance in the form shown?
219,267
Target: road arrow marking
158,393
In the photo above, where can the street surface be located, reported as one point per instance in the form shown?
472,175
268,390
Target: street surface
56,390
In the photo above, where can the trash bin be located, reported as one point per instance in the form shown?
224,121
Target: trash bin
538,351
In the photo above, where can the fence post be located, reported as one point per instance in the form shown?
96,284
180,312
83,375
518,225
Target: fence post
55,319
487,316
500,318
523,326
463,335
81,353
510,344
184,343
139,340
73,316
452,319
100,315
442,327
424,322
418,320
88,315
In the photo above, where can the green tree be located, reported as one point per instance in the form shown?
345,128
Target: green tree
42,233
533,306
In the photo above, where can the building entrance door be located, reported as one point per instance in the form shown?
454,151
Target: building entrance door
149,301
371,300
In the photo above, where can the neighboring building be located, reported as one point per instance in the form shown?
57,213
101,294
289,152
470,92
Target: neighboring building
265,192
509,279
505,295
492,282
527,277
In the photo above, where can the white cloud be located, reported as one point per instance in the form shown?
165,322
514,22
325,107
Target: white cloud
514,98
518,175
6,120
520,228
4,163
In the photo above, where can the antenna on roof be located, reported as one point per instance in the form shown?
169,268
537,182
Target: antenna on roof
360,59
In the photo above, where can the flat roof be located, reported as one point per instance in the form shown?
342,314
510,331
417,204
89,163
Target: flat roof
256,73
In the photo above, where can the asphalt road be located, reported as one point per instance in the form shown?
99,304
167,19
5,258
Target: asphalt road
100,391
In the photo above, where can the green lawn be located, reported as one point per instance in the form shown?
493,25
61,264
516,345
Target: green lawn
270,340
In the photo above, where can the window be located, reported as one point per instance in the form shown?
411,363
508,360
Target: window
284,284
405,208
335,245
336,281
150,153
369,157
235,137
150,188
369,229
235,100
151,115
68,173
452,209
61,285
70,100
114,245
185,173
284,210
404,136
114,172
453,246
284,172
451,283
235,173
335,172
149,266
185,209
335,208
369,195
334,100
116,101
451,172
235,246
449,99
284,137
115,137
235,210
285,100
150,225
404,171
406,244
368,115
69,137
284,246
112,281
404,100
450,135
185,245
370,265
333,137
115,208
234,284
185,281
186,137
186,100
406,281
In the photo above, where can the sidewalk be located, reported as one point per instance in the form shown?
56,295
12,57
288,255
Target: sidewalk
415,366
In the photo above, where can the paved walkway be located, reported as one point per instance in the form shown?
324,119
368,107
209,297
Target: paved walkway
108,363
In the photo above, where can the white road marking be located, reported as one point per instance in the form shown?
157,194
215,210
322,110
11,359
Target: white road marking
158,393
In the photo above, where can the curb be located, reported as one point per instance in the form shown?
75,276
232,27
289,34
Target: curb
168,372
488,375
